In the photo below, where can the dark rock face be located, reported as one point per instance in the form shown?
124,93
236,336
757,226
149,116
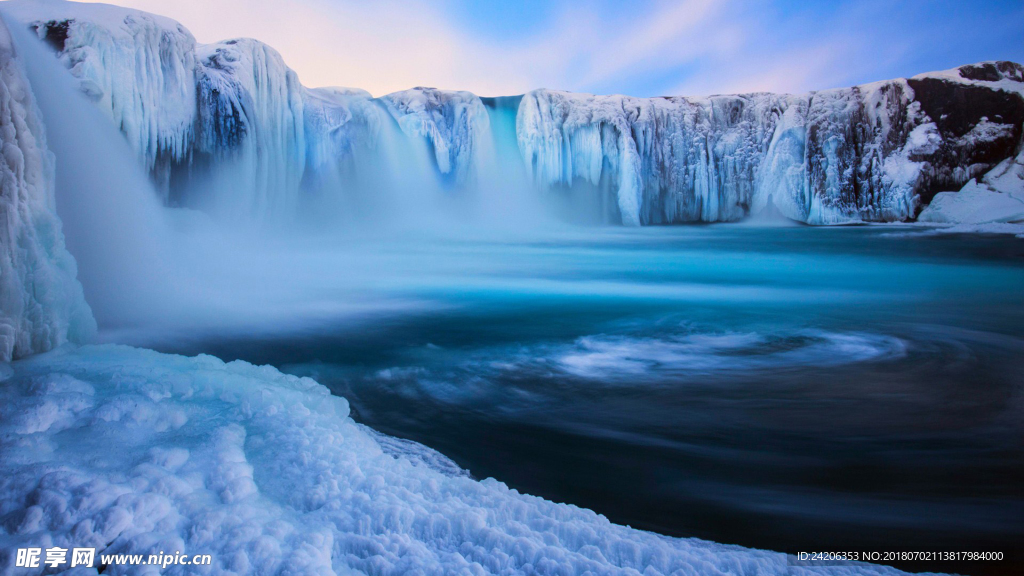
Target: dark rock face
53,32
985,72
221,122
993,71
956,108
980,126
857,161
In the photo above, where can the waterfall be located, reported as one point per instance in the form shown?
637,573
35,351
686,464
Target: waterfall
114,224
41,301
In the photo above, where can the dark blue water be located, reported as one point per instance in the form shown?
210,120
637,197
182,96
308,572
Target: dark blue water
794,389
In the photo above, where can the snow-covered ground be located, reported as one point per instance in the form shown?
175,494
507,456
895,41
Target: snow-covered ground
132,451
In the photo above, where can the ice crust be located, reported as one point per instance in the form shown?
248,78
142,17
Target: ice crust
133,451
41,301
235,114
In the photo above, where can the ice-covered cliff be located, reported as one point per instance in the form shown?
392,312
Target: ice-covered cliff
139,68
249,127
41,302
229,125
867,153
226,116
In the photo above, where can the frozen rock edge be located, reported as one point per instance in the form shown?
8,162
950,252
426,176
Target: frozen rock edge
132,451
993,204
232,113
41,301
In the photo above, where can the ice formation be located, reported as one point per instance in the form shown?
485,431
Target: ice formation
140,68
867,153
455,123
250,125
234,117
41,302
132,451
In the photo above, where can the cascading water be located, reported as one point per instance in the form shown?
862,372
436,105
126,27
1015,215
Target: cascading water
504,189
41,301
113,222
168,270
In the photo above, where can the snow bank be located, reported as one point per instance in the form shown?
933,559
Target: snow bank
975,204
997,199
133,451
41,301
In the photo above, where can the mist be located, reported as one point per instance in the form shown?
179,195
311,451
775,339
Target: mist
344,251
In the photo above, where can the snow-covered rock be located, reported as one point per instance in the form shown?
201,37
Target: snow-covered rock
975,204
1008,175
131,451
41,302
997,198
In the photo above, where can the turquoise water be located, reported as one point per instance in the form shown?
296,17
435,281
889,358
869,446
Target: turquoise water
790,388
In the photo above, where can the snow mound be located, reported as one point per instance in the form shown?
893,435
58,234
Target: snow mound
130,450
974,204
997,199
41,302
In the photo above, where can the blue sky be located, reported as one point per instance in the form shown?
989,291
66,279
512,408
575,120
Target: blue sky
639,48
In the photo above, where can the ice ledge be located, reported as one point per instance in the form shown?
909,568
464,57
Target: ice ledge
133,451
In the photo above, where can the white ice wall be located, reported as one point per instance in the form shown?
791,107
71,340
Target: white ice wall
722,157
251,121
139,68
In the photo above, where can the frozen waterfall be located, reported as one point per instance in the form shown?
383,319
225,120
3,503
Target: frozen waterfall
227,128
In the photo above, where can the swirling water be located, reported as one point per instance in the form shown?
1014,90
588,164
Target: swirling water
790,388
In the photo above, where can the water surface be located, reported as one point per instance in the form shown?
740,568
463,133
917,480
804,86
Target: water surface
790,388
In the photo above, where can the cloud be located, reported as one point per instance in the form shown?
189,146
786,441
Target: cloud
380,46
388,46
667,47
